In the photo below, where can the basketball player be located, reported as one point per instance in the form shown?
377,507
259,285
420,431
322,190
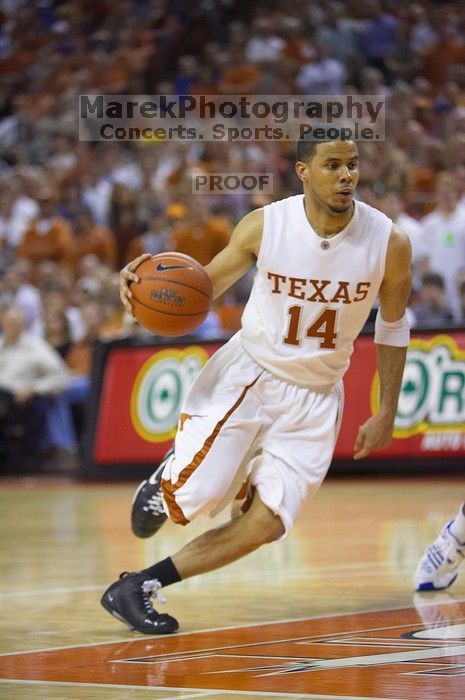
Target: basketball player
259,423
439,565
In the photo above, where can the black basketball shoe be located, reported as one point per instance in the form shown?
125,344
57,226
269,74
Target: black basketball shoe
148,514
128,599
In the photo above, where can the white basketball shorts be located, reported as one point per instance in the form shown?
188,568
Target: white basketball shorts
240,425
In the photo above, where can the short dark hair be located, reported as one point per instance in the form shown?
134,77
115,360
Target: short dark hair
306,149
433,279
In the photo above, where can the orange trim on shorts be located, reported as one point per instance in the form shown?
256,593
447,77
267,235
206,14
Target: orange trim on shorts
248,501
169,489
242,493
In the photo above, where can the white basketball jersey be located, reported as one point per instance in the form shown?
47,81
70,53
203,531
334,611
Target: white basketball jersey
312,296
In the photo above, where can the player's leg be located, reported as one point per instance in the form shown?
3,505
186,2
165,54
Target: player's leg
218,427
128,599
302,426
199,479
229,542
217,402
297,449
307,424
439,565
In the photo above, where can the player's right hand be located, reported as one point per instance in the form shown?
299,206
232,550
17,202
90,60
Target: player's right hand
126,276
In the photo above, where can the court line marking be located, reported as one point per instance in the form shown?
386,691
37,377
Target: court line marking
51,591
201,693
307,639
234,627
195,694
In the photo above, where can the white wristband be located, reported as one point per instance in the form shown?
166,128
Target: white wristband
395,333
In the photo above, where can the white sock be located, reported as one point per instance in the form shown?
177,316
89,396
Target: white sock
458,525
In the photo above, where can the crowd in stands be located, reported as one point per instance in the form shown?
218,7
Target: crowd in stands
73,212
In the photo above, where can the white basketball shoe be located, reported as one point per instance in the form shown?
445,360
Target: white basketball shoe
438,567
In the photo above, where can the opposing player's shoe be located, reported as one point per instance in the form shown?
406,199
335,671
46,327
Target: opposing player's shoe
128,599
438,567
437,609
148,514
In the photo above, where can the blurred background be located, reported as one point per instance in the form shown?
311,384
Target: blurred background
73,213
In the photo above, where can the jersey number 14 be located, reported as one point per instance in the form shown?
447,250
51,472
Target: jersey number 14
323,328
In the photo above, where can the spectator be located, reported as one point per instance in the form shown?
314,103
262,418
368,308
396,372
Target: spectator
447,51
57,330
79,361
422,36
201,236
324,75
17,291
48,237
445,237
33,378
237,74
187,75
372,82
431,309
298,48
393,205
378,40
97,190
60,294
91,239
16,213
154,240
63,157
123,219
339,37
265,46
401,61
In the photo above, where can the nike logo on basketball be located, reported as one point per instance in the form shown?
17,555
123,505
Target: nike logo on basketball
161,267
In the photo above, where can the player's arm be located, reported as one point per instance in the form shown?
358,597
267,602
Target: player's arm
391,338
225,268
237,257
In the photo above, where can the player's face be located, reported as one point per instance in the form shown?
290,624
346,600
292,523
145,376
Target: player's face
333,176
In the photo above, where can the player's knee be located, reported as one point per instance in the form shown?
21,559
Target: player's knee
276,528
268,525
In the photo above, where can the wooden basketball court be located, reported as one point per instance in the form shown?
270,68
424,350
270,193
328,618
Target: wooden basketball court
327,614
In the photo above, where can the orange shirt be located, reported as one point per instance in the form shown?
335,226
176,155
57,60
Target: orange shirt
204,240
439,58
54,242
98,241
241,77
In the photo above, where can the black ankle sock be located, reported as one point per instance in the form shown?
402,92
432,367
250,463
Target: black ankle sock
165,571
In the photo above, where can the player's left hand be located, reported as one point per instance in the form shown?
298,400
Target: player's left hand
374,434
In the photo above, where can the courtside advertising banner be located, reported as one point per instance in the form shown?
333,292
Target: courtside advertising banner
142,389
430,419
141,395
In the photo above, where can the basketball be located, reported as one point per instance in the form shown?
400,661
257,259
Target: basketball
173,295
